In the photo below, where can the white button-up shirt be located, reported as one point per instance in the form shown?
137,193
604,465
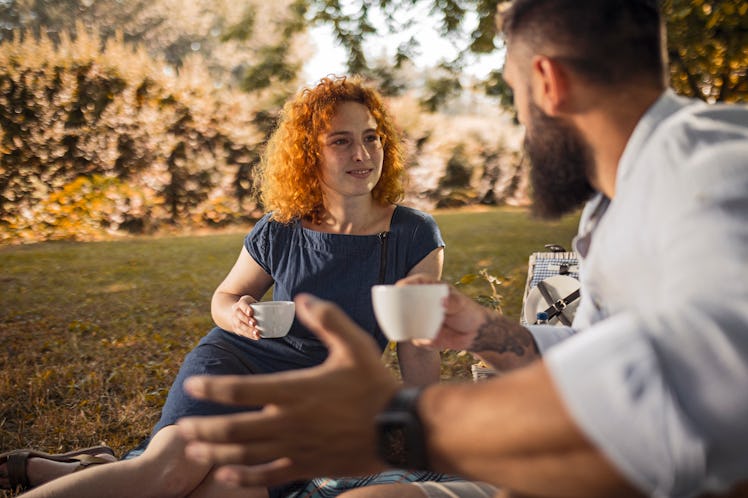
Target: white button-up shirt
657,377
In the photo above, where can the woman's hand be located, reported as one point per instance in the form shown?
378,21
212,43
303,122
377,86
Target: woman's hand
245,284
243,322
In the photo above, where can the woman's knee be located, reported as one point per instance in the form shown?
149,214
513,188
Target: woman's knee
165,468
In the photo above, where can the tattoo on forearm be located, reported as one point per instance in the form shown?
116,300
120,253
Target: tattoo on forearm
498,335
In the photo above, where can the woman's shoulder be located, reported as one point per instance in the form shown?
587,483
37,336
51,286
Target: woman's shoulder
405,215
269,228
268,222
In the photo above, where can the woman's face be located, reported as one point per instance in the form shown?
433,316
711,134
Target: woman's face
352,152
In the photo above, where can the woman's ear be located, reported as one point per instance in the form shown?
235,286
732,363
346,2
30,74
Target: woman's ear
550,85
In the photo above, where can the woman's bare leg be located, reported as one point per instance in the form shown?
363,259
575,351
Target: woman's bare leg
162,471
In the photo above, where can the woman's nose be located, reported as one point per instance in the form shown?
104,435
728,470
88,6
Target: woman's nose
360,152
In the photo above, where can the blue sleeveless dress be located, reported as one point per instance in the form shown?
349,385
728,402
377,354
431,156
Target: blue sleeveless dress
336,267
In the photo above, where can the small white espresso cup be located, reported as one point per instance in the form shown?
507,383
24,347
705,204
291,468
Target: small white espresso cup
406,312
274,318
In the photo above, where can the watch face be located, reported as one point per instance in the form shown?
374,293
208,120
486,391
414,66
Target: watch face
392,435
400,434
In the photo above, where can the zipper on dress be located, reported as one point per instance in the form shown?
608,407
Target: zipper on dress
383,256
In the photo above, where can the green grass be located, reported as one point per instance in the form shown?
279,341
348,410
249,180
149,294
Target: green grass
93,333
499,240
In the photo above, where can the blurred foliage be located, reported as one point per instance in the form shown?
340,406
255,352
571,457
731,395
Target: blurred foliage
238,40
479,170
76,116
454,186
492,299
83,209
708,48
441,87
707,41
352,23
457,173
496,86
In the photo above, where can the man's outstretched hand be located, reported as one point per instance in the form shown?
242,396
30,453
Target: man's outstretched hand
316,421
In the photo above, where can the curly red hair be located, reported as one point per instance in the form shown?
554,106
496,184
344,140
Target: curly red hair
289,176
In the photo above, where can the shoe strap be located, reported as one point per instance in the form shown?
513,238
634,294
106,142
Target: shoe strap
16,465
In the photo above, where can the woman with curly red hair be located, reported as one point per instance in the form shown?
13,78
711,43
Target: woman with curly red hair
290,180
330,179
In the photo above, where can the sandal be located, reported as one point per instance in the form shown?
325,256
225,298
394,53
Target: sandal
16,461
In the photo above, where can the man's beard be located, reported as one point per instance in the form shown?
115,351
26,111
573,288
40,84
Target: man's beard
561,162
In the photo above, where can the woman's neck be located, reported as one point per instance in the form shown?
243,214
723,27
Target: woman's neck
361,216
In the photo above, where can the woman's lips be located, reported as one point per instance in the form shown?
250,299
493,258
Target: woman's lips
360,173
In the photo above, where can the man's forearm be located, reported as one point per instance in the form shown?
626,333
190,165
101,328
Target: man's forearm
418,366
504,344
514,432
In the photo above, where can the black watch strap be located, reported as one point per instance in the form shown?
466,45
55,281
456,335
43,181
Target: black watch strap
400,432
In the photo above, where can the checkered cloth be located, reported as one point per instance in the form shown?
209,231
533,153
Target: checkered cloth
547,264
328,487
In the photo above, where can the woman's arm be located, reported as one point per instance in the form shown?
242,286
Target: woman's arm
246,283
418,365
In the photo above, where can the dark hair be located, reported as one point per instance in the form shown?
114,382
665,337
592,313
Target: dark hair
604,41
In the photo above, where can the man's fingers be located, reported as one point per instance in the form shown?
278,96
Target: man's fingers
425,344
235,428
256,453
274,473
249,391
454,299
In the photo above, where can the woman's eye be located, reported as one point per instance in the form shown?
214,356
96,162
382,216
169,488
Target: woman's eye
372,138
340,142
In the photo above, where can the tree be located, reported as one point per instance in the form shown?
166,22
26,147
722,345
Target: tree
707,40
707,43
238,40
82,125
354,22
708,48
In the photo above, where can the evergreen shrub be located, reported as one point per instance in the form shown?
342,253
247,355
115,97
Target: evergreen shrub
103,134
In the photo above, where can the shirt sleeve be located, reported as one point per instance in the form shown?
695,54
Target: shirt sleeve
257,243
662,391
547,336
425,237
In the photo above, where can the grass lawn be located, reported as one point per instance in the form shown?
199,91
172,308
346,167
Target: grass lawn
93,333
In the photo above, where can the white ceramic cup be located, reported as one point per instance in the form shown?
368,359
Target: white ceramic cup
406,312
274,318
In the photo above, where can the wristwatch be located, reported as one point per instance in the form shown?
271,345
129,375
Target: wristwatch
400,433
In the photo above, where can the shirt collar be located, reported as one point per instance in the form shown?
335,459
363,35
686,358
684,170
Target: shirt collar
668,103
591,216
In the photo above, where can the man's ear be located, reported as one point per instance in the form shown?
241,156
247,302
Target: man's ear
550,85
